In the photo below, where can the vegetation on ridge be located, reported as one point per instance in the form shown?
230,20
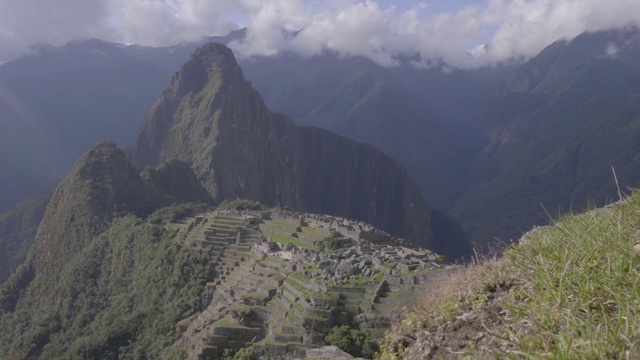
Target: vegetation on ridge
120,297
100,281
568,292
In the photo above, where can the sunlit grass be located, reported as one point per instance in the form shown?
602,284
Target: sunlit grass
570,292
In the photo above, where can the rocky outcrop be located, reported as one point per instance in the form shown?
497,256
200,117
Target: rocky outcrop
327,353
176,179
212,119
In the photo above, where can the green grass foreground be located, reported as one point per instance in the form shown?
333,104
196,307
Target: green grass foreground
570,291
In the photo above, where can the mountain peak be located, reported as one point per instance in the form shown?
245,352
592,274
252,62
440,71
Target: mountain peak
101,185
210,65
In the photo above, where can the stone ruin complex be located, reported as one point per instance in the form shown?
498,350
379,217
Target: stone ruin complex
281,280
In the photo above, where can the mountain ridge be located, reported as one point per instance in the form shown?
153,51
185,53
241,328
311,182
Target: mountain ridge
558,124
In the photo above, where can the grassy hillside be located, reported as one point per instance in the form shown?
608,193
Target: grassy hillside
568,292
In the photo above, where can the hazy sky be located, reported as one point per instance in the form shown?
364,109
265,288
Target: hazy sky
446,30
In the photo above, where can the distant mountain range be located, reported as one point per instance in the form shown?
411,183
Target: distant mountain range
497,148
557,126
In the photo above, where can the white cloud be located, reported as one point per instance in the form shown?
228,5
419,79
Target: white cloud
611,50
511,28
24,23
153,22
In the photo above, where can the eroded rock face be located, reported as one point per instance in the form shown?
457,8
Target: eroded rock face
344,269
327,353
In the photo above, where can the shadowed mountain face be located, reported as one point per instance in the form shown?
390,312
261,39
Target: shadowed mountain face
558,124
210,117
424,118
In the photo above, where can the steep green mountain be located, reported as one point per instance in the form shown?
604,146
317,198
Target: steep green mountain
17,231
101,186
558,124
98,277
211,118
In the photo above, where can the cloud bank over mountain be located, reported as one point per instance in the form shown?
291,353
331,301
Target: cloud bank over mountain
476,33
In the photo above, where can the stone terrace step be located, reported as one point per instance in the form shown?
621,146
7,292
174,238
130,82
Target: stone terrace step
249,277
256,236
229,261
294,286
278,304
240,248
294,320
223,228
226,287
234,253
229,219
216,340
221,236
209,352
237,333
286,338
361,290
288,294
220,240
217,226
351,302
